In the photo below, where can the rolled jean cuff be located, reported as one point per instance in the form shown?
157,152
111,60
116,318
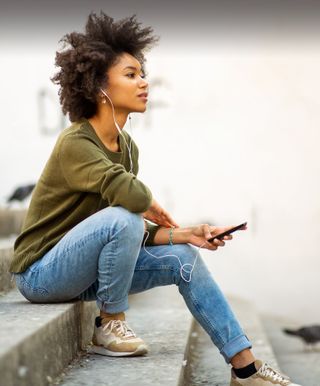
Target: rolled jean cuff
113,307
232,348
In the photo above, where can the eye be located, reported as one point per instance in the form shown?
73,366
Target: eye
131,75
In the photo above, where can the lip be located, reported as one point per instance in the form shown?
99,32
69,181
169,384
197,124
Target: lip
144,96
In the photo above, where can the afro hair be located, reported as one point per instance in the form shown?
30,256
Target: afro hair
86,57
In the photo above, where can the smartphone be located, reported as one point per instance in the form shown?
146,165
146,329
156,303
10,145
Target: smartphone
228,232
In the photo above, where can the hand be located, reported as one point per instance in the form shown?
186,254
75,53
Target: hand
159,216
201,233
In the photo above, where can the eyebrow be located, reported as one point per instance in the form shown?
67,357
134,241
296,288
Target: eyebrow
132,68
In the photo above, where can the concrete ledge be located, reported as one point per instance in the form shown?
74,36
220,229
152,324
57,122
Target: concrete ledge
299,363
11,221
161,318
6,251
205,365
39,340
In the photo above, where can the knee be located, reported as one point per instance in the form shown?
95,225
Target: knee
130,223
186,252
189,258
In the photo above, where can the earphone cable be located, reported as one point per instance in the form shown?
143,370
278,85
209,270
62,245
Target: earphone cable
182,266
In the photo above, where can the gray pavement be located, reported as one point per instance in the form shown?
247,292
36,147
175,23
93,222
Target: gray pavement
161,318
39,340
206,366
301,365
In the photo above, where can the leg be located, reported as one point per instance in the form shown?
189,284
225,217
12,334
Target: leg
202,295
103,248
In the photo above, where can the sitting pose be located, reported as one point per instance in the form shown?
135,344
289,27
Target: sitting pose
93,230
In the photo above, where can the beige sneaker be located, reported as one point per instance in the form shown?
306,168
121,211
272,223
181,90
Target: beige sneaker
115,338
265,376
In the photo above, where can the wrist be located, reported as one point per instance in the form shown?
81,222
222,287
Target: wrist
181,235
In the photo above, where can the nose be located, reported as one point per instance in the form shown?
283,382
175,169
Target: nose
143,83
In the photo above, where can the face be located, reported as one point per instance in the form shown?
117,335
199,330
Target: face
126,84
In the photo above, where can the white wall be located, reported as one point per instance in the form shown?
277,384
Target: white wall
230,135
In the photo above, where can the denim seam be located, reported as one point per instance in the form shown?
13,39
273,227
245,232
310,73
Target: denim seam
34,289
124,305
236,338
213,328
123,300
111,270
159,268
231,344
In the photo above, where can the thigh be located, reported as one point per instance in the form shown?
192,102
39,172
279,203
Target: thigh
164,265
71,266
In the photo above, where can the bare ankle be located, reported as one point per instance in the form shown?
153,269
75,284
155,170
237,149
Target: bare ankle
107,316
242,359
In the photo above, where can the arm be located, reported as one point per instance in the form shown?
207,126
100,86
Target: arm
180,235
196,235
86,168
159,235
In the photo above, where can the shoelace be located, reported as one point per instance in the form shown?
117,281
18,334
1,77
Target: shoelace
121,327
267,371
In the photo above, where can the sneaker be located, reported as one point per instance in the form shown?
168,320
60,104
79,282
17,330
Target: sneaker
115,338
265,376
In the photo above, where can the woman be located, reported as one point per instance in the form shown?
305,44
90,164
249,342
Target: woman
86,227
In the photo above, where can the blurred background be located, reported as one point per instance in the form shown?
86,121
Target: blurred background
231,132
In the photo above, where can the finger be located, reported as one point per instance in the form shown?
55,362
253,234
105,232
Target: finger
229,237
206,231
212,228
218,242
173,224
210,246
170,220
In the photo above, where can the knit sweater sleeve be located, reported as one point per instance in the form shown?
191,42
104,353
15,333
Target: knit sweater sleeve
87,168
152,229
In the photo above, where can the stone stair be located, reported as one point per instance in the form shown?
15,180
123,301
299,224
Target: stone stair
158,316
6,250
206,366
45,344
294,358
39,340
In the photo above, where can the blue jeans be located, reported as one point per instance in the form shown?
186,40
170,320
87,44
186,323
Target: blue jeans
102,259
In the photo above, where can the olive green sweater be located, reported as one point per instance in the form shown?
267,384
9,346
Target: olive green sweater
80,178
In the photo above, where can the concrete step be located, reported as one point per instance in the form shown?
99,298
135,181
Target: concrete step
6,251
206,366
38,340
161,318
10,225
11,221
301,364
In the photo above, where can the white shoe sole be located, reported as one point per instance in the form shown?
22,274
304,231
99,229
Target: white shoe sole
141,350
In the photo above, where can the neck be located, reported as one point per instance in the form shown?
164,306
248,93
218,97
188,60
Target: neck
105,127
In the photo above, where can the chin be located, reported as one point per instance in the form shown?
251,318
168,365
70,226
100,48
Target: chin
139,109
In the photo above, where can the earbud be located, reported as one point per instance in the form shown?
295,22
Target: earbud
104,93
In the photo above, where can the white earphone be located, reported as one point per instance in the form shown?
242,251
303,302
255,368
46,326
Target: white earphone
120,132
183,269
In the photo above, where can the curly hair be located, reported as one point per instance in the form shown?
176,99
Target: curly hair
84,64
